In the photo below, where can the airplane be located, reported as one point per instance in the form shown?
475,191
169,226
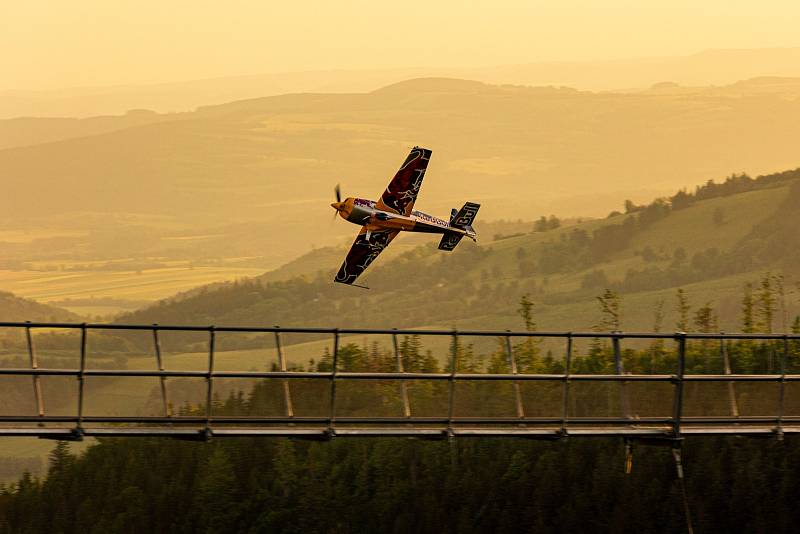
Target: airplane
381,221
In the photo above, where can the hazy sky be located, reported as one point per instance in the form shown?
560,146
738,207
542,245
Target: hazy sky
60,43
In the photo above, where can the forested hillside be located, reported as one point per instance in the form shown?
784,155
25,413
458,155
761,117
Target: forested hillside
15,309
401,486
712,242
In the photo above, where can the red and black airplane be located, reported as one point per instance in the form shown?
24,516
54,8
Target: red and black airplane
381,221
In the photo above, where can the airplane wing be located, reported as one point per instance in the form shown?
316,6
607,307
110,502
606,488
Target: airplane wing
402,191
363,251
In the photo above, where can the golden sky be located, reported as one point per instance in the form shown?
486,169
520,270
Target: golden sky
59,43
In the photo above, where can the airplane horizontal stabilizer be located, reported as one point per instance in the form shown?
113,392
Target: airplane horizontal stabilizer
450,240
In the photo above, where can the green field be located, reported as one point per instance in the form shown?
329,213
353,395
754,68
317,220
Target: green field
146,285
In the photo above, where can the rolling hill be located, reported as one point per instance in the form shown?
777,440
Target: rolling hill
710,242
14,309
26,131
271,163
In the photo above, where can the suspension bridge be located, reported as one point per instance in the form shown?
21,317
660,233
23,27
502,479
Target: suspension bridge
454,403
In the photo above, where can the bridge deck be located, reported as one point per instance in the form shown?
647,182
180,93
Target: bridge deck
663,432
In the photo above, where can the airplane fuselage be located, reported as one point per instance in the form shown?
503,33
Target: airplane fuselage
363,212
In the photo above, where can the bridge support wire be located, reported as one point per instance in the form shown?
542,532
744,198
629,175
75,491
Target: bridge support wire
401,369
451,398
210,382
287,393
160,365
565,387
34,362
512,364
676,455
726,363
334,372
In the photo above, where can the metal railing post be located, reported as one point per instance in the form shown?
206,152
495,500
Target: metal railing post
287,394
34,362
452,384
677,405
512,363
400,369
163,379
620,370
726,362
210,380
334,372
782,387
565,386
81,380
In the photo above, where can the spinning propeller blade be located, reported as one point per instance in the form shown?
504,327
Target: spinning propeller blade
338,192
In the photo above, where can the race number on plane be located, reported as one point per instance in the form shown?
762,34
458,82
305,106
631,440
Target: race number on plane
381,221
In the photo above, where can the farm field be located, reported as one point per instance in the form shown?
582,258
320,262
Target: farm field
145,285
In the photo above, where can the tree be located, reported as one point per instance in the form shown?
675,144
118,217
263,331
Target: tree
215,493
610,311
658,315
525,311
682,307
544,224
766,300
748,305
679,257
630,207
681,200
705,319
527,353
61,459
657,345
463,356
781,291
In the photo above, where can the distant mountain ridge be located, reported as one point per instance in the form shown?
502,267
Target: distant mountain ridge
247,151
709,67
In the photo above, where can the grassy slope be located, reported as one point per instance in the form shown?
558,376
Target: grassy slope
561,302
25,131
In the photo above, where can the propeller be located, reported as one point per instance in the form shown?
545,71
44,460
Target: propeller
337,191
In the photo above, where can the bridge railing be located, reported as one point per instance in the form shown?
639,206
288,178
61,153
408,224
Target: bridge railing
532,384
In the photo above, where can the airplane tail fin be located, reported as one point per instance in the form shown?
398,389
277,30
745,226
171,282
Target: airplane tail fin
465,215
461,219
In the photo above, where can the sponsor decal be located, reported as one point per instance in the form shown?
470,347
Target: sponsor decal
429,219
